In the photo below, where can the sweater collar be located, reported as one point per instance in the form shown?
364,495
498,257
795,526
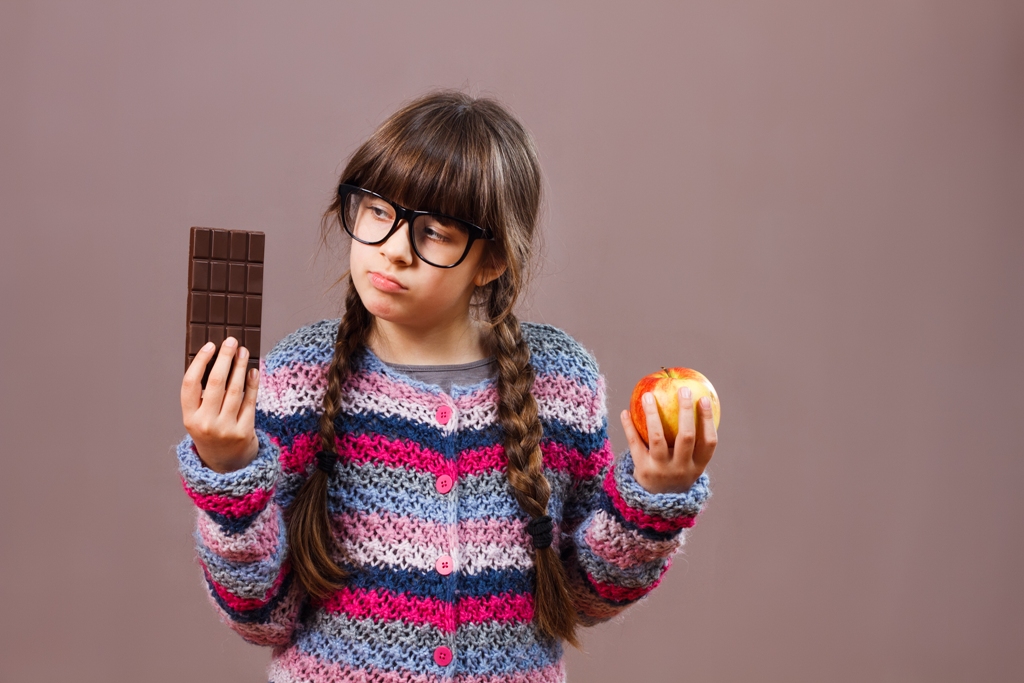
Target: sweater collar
370,363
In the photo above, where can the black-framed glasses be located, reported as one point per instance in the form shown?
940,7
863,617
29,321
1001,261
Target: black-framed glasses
440,240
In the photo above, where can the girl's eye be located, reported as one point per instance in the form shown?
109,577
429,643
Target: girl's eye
431,234
380,212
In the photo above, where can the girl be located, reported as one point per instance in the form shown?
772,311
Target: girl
425,490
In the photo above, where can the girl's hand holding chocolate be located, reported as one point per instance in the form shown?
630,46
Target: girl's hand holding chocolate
221,419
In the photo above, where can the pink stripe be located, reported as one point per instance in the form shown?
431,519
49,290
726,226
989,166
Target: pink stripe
610,591
480,398
230,507
294,459
391,528
383,605
278,630
244,604
562,388
284,380
506,607
371,383
622,547
377,448
257,542
641,518
559,458
296,666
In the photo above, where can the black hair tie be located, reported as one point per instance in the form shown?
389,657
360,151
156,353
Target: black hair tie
325,461
541,530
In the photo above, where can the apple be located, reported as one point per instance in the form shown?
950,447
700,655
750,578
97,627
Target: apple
665,385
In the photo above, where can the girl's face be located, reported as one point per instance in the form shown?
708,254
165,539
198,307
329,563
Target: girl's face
395,285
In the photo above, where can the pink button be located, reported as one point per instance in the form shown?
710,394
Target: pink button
443,484
443,656
444,565
443,414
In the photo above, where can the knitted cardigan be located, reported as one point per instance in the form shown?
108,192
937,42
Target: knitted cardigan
442,566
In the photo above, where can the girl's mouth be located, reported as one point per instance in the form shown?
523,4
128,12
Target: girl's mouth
384,283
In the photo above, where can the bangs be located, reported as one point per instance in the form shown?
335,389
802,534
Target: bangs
432,159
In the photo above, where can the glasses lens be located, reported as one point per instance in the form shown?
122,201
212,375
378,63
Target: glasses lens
367,217
440,240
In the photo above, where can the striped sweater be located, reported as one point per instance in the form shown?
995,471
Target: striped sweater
425,521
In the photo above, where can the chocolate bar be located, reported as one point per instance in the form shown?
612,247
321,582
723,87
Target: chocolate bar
225,288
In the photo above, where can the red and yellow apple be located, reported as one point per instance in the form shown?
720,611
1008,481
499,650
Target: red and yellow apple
665,385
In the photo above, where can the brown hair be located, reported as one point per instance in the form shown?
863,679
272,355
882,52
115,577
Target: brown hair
466,157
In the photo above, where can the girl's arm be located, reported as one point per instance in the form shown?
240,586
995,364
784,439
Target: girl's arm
240,536
622,537
618,539
241,544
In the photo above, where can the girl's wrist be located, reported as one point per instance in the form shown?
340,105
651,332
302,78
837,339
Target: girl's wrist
231,463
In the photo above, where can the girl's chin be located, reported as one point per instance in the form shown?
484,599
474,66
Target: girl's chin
380,305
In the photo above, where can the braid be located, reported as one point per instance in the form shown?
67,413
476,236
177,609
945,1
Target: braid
309,525
519,419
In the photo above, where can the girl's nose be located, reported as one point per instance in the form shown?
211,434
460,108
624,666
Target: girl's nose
396,248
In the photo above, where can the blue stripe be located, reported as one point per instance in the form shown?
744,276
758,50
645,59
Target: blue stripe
312,344
391,493
419,657
233,526
286,428
353,643
430,584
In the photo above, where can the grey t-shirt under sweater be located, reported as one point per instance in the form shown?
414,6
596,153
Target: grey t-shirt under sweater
461,374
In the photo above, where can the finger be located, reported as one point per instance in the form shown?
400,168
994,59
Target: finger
191,385
683,450
636,445
217,381
247,416
707,435
656,444
236,384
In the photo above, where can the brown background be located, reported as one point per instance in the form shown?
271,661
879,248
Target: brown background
819,205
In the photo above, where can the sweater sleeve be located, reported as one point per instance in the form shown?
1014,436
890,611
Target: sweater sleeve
240,535
618,539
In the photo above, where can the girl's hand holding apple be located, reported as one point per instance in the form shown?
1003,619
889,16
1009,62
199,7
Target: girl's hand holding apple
660,466
221,420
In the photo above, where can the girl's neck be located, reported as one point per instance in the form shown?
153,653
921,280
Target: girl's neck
450,344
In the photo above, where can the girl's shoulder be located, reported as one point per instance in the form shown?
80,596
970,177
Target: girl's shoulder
552,350
555,351
311,344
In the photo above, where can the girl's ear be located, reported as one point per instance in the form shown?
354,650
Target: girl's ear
491,268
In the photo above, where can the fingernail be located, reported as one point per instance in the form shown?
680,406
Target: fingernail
684,392
648,399
705,402
230,341
254,374
207,346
